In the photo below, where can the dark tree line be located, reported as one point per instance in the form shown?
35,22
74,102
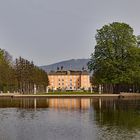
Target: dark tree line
20,75
115,61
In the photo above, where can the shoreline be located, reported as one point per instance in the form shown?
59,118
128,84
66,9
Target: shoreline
121,95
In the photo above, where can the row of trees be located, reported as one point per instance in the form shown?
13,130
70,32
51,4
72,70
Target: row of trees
115,61
21,75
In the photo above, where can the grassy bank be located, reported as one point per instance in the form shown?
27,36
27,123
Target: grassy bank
65,93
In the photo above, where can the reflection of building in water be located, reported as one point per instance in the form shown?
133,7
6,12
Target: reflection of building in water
70,103
46,103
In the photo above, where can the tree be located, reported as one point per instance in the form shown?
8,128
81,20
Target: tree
116,58
7,74
29,75
138,40
20,76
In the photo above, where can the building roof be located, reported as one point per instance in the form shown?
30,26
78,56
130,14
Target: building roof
69,72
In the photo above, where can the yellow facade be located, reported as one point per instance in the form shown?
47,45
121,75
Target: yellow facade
69,80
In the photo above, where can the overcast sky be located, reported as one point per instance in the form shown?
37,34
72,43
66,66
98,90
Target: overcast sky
49,31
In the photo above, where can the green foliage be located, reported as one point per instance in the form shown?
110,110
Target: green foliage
138,40
116,59
29,75
21,76
7,75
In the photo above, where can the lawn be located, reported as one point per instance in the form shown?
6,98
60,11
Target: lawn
64,92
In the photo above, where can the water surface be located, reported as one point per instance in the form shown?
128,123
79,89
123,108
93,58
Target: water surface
69,119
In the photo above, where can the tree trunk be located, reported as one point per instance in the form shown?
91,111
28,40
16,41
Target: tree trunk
116,89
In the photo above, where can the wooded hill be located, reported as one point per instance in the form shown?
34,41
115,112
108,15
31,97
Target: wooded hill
72,64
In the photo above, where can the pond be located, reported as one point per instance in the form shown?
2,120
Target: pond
69,119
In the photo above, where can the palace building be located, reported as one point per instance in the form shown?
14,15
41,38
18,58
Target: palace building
69,80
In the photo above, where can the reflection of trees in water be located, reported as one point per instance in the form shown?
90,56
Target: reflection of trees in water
33,103
27,103
116,112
